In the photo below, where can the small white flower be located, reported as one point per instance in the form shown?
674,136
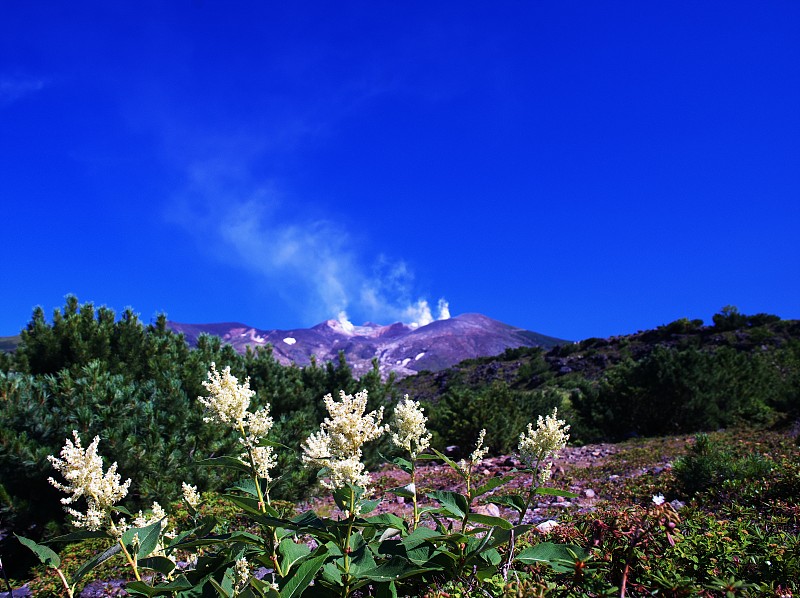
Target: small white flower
259,424
337,444
480,451
411,433
658,499
228,400
242,572
264,460
190,495
538,446
83,471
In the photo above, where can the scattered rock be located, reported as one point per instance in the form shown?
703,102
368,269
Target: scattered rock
589,493
488,509
547,526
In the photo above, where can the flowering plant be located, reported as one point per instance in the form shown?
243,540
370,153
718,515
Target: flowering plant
280,557
336,447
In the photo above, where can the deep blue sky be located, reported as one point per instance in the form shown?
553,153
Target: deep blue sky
575,168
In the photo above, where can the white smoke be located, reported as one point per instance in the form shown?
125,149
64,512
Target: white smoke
444,309
418,314
314,264
344,322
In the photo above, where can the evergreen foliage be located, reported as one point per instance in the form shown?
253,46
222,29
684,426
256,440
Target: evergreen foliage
137,385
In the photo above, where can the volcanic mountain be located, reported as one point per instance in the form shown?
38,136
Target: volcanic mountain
398,347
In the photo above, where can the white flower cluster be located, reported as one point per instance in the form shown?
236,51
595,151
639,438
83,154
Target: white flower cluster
156,514
537,447
83,471
411,433
228,402
190,495
477,455
242,573
337,445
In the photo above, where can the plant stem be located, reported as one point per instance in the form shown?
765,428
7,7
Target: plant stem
5,576
350,520
131,562
531,492
414,494
63,580
263,500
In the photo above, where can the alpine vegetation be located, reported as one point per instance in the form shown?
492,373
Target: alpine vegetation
539,446
336,447
228,403
411,435
83,471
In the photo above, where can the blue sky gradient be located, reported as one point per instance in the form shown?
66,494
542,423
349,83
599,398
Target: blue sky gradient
579,169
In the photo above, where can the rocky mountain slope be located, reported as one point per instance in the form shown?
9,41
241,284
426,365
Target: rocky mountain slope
397,347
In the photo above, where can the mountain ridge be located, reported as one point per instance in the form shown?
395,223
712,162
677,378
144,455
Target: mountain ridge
399,348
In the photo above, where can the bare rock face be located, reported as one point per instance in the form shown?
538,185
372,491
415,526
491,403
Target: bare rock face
399,348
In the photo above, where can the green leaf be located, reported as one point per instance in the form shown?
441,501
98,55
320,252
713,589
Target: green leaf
555,492
386,590
361,560
292,554
386,520
100,558
177,585
247,504
561,557
393,570
489,520
304,575
443,457
454,503
367,506
403,464
265,442
402,491
331,574
246,485
148,538
343,496
492,556
513,501
77,536
46,555
157,563
245,537
221,589
417,545
228,462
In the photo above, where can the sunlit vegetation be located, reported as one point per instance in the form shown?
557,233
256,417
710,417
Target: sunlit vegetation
727,525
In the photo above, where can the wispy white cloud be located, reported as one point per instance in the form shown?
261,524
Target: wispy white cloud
315,264
13,89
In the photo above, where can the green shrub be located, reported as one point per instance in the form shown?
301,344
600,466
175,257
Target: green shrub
709,464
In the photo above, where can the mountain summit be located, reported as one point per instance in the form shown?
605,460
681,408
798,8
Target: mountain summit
398,347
